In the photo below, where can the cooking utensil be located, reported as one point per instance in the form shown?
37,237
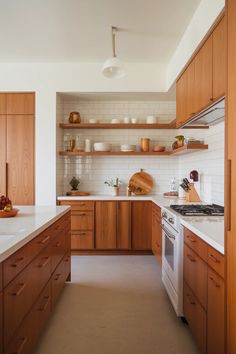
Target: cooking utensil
140,183
185,188
186,181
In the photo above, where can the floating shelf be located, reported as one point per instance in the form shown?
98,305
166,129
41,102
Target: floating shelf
180,151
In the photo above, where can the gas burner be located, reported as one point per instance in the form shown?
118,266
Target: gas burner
199,210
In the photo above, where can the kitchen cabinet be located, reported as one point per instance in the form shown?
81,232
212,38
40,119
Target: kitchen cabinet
156,233
106,223
123,238
141,225
17,148
204,300
34,285
203,81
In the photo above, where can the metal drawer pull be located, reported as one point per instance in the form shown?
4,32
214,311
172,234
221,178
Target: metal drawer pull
191,239
214,259
18,262
82,234
45,240
21,345
191,258
82,204
18,291
215,283
57,276
190,300
43,264
44,306
83,214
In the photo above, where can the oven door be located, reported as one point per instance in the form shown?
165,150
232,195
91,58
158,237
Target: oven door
170,254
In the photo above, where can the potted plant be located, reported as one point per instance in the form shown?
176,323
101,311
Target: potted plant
115,185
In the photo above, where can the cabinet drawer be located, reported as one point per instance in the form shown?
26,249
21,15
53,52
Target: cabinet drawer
195,275
82,220
195,243
59,277
58,248
82,240
1,323
79,205
28,333
20,103
215,261
1,280
196,318
22,292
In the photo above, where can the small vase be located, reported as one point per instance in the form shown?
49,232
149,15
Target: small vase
115,191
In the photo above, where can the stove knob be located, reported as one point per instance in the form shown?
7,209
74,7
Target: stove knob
164,214
171,220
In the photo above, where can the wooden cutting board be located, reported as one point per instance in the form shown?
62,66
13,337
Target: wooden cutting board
141,183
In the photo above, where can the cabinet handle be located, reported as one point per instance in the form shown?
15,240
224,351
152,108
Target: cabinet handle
191,258
57,276
19,290
18,262
83,214
214,282
191,239
45,303
22,342
45,240
214,259
229,180
82,234
82,204
190,299
44,263
58,244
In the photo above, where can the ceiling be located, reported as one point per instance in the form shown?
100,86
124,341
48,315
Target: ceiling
80,30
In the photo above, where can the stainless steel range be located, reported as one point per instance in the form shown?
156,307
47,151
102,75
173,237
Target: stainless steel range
172,247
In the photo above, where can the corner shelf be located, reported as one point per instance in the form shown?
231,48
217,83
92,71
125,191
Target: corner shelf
180,151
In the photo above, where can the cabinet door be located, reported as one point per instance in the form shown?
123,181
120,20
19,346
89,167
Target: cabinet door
105,221
1,323
3,156
216,317
3,103
20,159
81,220
142,225
123,225
219,59
156,233
203,76
82,240
181,99
20,103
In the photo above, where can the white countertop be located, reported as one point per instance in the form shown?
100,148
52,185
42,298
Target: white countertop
30,221
209,229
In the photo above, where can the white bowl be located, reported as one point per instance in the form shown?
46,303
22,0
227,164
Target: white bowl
115,121
151,120
102,147
127,147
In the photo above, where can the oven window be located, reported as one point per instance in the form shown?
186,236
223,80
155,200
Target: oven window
169,252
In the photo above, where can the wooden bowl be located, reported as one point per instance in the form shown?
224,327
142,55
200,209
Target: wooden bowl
158,148
8,214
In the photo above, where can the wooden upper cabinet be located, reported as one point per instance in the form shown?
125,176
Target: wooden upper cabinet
20,159
181,99
219,59
142,225
123,225
3,103
2,154
203,76
20,103
105,225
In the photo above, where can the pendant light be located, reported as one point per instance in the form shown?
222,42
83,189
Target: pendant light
113,68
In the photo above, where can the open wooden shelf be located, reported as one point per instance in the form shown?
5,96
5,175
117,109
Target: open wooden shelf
183,150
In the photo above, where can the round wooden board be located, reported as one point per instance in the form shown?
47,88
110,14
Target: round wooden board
8,214
141,183
78,194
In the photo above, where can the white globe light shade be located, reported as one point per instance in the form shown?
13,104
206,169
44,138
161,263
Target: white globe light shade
113,68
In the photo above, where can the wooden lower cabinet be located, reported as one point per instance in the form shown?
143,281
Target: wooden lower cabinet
1,323
157,233
29,292
204,299
141,225
123,220
105,225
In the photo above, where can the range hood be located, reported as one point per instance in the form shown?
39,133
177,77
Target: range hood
210,116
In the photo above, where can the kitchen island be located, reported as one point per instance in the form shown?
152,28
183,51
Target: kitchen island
34,265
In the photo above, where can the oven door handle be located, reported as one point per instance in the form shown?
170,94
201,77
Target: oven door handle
167,233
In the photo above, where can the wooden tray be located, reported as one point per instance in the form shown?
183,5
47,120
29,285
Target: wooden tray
141,183
78,194
8,214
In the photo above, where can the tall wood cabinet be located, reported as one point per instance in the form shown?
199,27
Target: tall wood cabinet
17,147
142,225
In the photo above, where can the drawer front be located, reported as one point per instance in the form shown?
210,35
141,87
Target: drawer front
26,336
59,246
59,277
196,318
216,261
1,277
195,275
22,292
195,243
82,240
79,205
1,323
82,220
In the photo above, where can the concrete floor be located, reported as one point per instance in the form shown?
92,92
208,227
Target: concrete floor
115,305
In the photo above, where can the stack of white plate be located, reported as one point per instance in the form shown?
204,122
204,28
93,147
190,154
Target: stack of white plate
102,147
127,147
